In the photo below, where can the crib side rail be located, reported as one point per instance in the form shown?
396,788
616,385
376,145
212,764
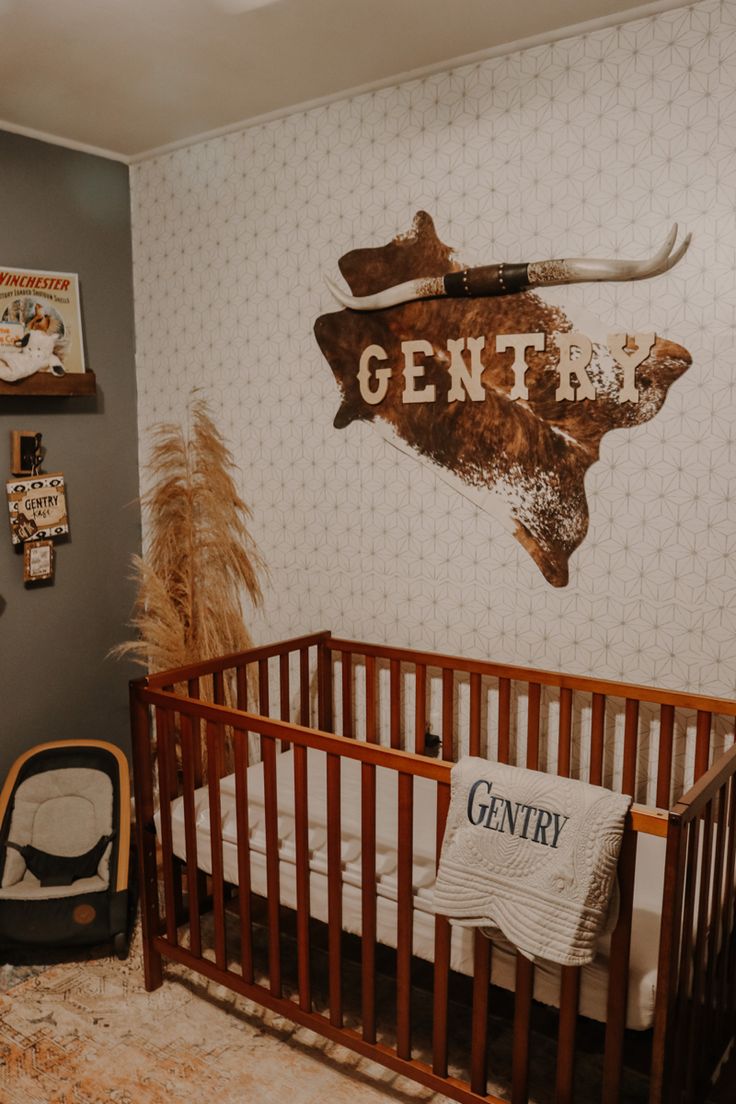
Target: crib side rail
648,742
695,1018
203,668
174,927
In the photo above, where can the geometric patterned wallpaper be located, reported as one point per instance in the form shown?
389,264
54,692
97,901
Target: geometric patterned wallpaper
592,146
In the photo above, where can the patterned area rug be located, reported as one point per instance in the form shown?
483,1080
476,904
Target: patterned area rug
86,1032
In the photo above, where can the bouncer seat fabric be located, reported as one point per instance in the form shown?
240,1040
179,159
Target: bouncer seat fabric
64,845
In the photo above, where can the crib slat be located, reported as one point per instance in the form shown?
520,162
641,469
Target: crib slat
564,750
264,705
368,900
420,708
395,700
301,821
371,707
241,687
702,743
188,762
504,719
273,887
682,1013
324,687
304,715
569,995
218,687
631,741
715,929
244,879
532,730
523,991
404,915
165,790
346,665
695,1061
474,720
664,755
479,1020
215,738
442,935
193,690
618,973
448,682
284,694
728,974
597,722
334,889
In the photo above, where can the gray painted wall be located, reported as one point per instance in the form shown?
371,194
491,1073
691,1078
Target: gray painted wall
70,212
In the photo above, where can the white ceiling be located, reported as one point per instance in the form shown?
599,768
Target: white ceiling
126,77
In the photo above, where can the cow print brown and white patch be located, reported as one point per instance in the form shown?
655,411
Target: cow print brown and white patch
503,392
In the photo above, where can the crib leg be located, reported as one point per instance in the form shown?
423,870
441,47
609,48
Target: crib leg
145,834
153,974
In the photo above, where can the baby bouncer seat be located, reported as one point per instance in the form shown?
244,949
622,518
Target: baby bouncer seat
65,846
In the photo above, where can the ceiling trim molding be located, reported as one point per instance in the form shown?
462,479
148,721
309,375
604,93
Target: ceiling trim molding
641,11
68,143
631,15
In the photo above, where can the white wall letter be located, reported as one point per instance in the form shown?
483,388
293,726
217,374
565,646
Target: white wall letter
412,372
382,375
569,366
519,343
462,380
630,361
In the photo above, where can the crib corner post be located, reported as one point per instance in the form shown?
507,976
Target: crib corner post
145,832
667,980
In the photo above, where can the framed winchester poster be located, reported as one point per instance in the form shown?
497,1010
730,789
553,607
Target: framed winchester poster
40,320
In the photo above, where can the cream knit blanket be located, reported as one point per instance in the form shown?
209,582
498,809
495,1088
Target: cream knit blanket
532,854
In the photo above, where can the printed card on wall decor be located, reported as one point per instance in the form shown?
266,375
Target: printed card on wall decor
37,507
480,372
40,323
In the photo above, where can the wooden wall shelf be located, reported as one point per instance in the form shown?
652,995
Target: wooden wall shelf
44,383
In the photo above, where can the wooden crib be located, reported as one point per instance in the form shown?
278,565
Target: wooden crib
264,720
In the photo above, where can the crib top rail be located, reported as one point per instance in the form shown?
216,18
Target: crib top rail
235,659
649,742
439,661
641,818
584,683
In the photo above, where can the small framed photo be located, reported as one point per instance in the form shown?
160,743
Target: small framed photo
38,561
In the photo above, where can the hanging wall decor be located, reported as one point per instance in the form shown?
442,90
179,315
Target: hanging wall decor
480,372
38,561
37,507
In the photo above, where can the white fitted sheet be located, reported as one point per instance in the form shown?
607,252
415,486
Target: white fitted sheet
594,983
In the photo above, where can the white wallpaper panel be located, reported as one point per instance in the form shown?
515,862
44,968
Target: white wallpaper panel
593,145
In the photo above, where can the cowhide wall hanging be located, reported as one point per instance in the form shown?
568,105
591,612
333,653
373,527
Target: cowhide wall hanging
504,390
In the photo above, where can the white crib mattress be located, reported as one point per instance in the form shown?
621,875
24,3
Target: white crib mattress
594,983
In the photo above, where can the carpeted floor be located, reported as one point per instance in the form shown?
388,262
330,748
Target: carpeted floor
87,1033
